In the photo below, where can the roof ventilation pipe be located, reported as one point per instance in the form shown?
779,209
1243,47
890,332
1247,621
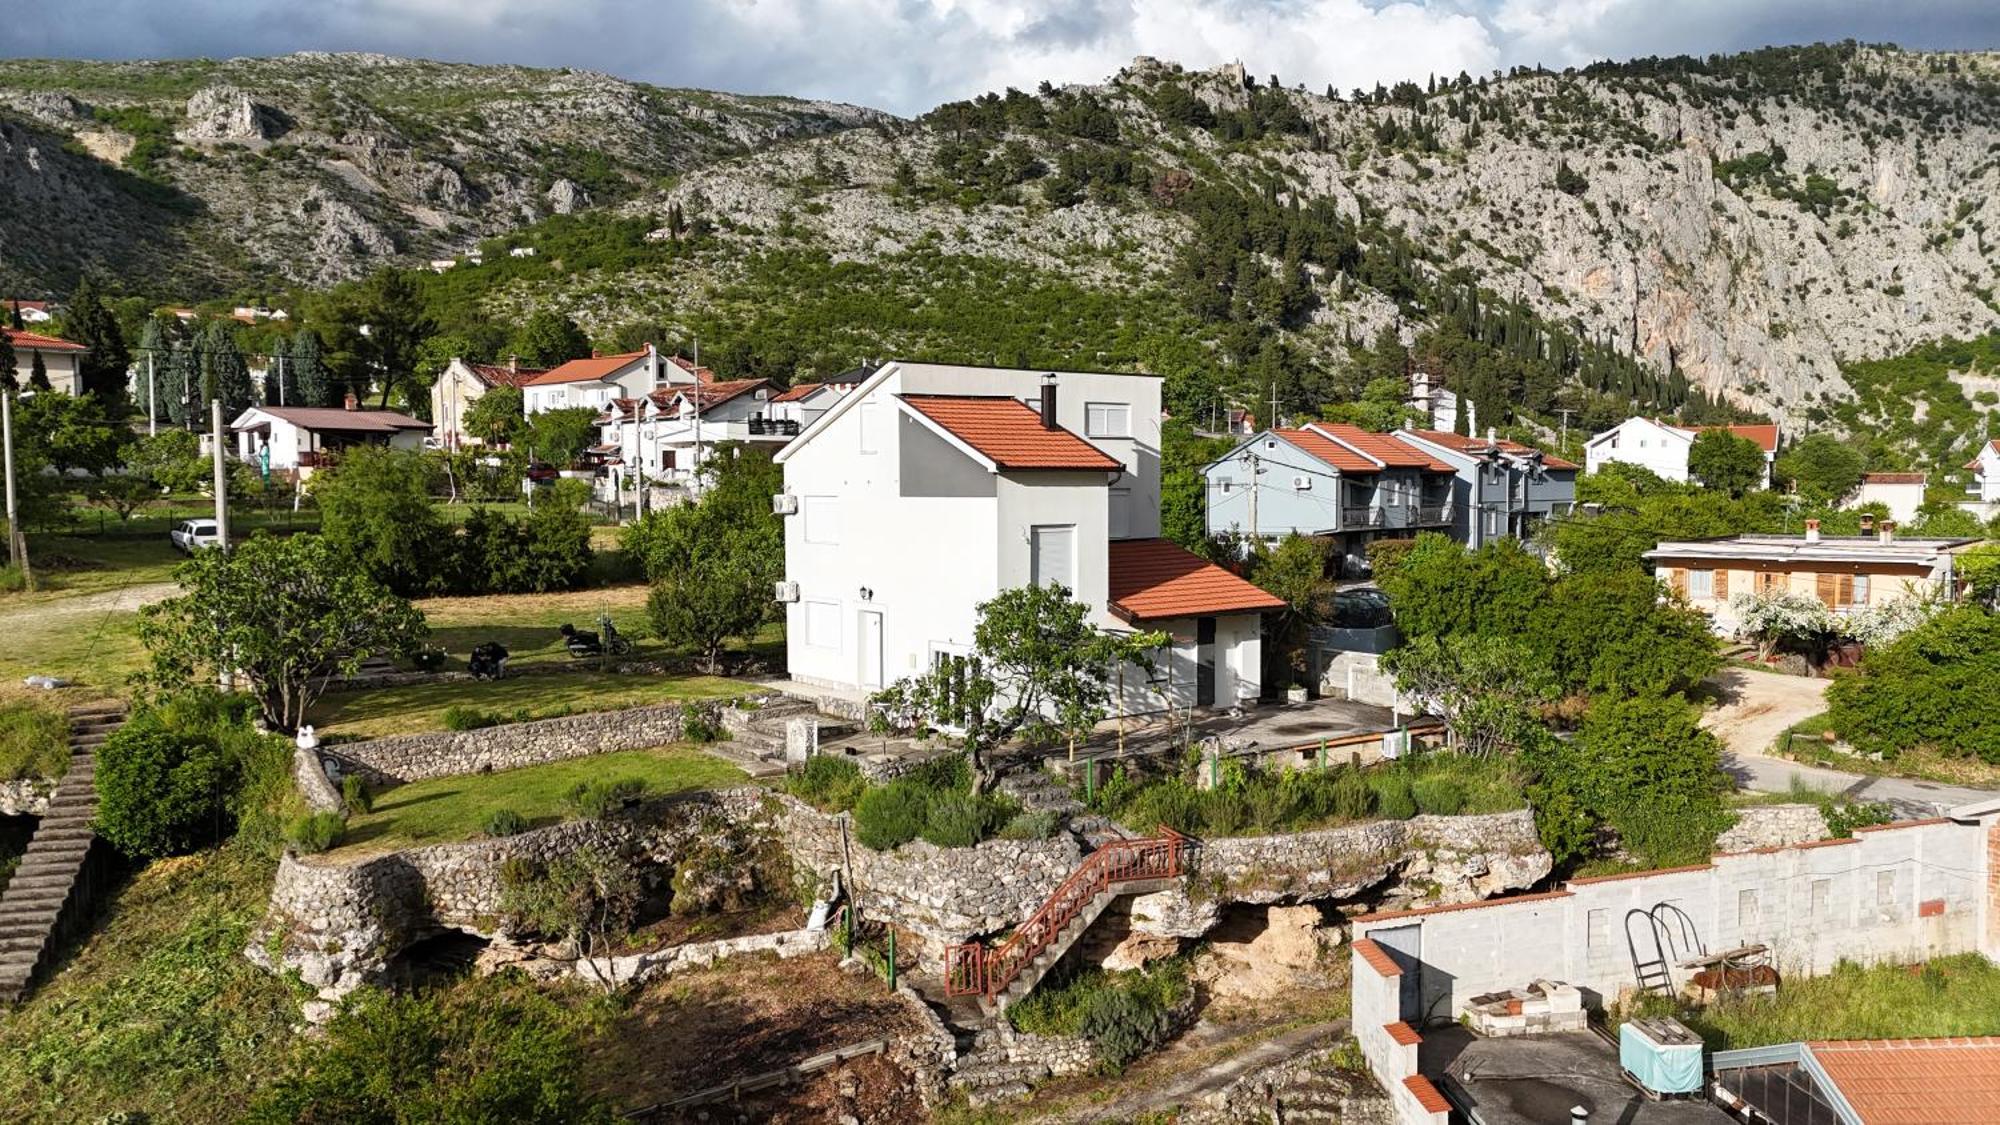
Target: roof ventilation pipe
1049,401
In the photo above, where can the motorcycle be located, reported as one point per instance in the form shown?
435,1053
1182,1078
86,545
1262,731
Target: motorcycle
583,644
488,661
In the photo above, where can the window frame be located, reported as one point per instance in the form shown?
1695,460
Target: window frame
808,525
1035,539
1092,430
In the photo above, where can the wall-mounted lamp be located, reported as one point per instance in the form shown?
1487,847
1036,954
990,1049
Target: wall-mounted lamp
867,595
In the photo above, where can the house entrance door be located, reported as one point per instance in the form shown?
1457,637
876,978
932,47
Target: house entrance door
870,634
1204,662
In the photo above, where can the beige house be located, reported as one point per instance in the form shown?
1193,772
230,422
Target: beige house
1845,573
60,358
461,384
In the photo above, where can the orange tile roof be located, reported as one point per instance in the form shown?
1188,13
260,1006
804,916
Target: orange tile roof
501,375
1766,436
1009,433
1896,478
1377,957
1427,1094
36,342
708,395
798,391
585,370
1401,1033
1464,444
1916,1081
1332,452
1382,447
1157,579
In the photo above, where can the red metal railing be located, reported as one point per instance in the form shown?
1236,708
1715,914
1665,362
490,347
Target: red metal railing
974,970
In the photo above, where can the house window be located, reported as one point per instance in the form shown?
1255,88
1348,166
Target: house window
1121,512
1885,888
1843,591
1107,419
823,624
1052,555
870,426
1822,899
1701,585
667,460
822,520
1857,594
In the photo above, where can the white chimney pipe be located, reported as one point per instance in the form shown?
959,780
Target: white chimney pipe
1812,531
1885,532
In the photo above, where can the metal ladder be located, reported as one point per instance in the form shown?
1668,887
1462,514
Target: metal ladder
1672,935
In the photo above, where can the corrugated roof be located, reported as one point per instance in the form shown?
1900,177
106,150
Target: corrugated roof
337,418
1331,452
24,340
1157,579
1381,447
586,370
1009,433
1916,1081
1476,446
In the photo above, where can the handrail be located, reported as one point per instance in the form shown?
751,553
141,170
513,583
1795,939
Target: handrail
972,969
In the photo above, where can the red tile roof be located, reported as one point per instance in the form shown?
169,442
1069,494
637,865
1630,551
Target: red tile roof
36,342
1402,1034
701,374
501,375
798,391
1974,463
1765,436
1896,478
1916,1081
586,370
1377,957
707,396
1157,579
337,418
1427,1094
1332,452
1473,445
1009,433
1381,447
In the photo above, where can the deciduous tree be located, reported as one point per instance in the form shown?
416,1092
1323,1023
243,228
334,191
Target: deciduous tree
1724,461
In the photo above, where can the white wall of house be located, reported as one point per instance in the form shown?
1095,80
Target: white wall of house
1983,483
1902,499
1642,442
643,375
61,367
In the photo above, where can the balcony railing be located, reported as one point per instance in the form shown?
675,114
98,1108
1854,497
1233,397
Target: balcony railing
318,459
1361,517
775,427
1428,514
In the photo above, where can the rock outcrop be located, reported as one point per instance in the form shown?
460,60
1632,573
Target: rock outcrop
225,113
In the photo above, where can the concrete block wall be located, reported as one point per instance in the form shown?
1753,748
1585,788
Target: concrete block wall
1389,1044
1900,892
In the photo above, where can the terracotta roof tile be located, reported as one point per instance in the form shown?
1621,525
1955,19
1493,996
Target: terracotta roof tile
1377,957
501,375
708,395
1896,478
1473,445
1916,1081
1427,1094
798,391
1009,433
1401,1033
35,341
701,374
1331,452
1158,579
586,370
1381,447
1765,436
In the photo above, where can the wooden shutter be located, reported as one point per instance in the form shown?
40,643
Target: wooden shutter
1721,585
1677,581
1829,589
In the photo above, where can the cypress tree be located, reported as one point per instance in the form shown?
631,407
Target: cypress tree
101,370
38,374
224,375
309,370
152,350
180,380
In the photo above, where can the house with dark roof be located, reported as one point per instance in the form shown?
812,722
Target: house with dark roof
60,358
305,438
928,488
461,384
660,440
1504,489
1663,446
1337,482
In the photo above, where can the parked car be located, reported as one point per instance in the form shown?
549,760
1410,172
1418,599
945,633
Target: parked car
192,535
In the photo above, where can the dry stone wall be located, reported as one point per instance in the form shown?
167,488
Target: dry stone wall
1772,826
415,757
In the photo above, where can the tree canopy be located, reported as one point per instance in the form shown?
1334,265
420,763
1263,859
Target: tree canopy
1725,461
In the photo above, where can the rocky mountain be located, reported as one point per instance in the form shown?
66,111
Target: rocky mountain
202,176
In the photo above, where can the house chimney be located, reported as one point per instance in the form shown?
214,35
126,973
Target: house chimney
1886,532
351,402
1812,531
1492,435
1868,523
1049,401
513,365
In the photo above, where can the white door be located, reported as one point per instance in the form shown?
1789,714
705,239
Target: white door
871,648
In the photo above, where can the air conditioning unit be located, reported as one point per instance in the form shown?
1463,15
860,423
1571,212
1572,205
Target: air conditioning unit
788,591
1301,484
784,504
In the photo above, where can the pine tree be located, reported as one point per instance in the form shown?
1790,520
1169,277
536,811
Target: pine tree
224,375
38,374
180,380
153,351
101,370
309,370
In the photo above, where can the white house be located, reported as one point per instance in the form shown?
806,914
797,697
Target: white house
929,488
461,384
1663,447
801,404
1901,493
601,380
60,358
29,312
1982,492
670,433
311,437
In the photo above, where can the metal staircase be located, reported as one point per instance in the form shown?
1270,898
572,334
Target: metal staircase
1671,935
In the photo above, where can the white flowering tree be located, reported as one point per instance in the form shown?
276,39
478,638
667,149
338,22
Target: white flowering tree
1878,625
1773,618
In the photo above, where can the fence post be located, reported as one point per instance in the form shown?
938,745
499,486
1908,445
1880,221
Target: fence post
892,958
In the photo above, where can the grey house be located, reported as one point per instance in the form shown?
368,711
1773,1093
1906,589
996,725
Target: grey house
1332,481
1503,489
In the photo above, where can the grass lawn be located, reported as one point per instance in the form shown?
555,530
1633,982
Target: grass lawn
1958,995
529,624
455,808
98,648
421,707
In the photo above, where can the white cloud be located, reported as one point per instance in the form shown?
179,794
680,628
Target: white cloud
908,55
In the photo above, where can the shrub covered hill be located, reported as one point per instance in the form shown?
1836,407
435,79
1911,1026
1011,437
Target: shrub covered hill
1684,235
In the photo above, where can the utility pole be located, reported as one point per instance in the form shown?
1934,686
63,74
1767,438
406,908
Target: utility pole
221,476
17,544
695,469
152,401
1274,404
1565,412
1254,488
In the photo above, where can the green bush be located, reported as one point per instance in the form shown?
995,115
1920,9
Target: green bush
595,800
460,717
354,794
160,791
34,742
1040,824
315,832
960,820
1123,1025
1125,1014
1350,795
696,725
1912,692
12,581
1393,798
504,822
828,782
889,816
1439,796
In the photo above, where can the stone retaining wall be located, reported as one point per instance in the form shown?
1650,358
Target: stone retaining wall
26,796
1772,826
415,757
309,774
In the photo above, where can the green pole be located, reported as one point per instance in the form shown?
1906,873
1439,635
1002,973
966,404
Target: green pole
892,958
1322,755
1090,779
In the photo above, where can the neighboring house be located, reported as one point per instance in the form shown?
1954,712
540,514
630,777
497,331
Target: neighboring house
1663,447
60,358
801,404
461,384
1983,486
601,380
1440,404
930,488
1504,488
1339,482
312,437
1845,573
1864,1081
1901,493
670,433
29,312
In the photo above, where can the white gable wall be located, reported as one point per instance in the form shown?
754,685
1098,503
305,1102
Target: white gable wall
1645,443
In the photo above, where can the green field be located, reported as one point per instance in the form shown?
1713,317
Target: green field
1958,995
455,808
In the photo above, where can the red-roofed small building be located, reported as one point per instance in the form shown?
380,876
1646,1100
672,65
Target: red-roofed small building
926,489
1663,446
599,380
59,358
1902,494
305,438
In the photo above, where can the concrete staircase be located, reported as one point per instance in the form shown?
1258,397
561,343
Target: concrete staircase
49,891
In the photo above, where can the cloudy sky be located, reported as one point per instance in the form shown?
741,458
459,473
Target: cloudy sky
908,55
